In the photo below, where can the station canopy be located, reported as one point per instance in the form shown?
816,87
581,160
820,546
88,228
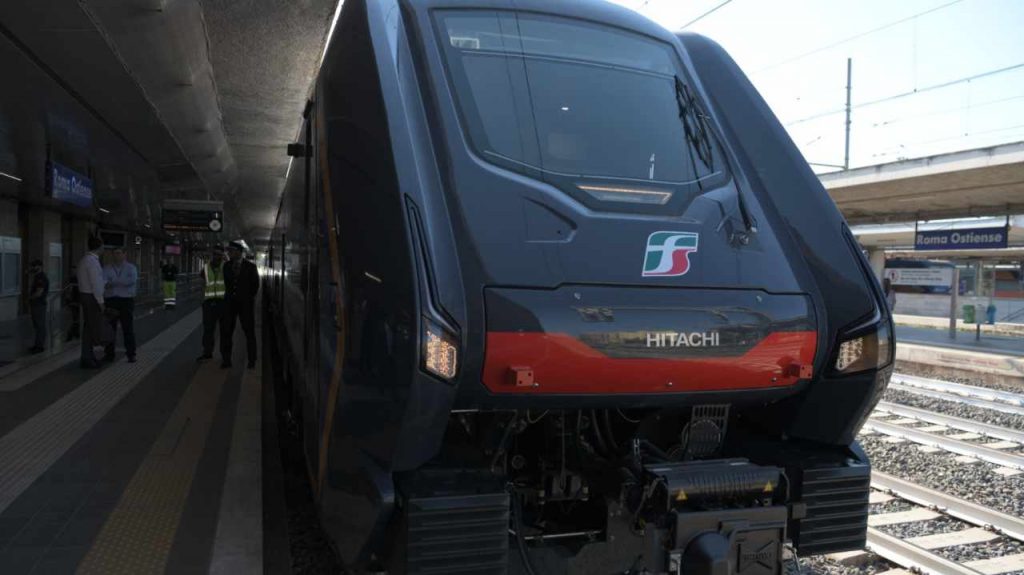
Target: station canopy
980,182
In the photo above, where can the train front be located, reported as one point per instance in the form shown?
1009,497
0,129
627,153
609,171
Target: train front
665,340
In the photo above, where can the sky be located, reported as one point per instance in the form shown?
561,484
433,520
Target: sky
795,53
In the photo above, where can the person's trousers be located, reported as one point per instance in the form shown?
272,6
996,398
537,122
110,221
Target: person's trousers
213,313
245,313
38,312
125,308
92,315
75,329
170,293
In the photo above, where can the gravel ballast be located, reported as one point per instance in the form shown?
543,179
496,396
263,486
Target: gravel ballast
977,483
979,414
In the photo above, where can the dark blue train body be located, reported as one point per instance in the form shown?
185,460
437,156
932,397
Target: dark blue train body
554,291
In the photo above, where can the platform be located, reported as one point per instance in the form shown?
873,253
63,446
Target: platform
965,340
151,467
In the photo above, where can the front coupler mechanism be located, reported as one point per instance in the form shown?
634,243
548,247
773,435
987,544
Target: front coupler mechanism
712,517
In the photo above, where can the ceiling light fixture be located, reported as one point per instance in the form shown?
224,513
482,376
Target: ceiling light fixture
6,175
330,31
104,210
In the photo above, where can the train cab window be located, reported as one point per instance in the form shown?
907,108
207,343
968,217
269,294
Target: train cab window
593,109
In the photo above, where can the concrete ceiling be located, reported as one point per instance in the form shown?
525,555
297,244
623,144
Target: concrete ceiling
207,92
982,182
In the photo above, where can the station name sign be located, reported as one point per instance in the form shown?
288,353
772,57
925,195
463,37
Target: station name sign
69,186
966,239
192,216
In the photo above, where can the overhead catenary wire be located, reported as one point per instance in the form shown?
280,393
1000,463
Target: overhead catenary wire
909,93
855,37
705,15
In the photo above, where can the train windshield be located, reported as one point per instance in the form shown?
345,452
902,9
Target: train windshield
578,102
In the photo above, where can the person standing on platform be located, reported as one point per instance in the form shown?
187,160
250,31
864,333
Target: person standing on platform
213,302
90,291
121,278
890,293
39,289
170,276
242,282
73,301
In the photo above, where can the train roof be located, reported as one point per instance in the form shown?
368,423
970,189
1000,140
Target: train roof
599,11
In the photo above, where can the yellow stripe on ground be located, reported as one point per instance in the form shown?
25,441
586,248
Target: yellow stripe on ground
138,535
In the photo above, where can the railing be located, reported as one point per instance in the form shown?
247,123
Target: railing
1017,315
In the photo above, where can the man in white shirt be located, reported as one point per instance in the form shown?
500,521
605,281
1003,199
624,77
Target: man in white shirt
120,278
90,289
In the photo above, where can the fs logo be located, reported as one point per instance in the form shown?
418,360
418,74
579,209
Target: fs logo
668,253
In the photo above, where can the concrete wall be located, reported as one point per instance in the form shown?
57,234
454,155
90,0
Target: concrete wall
934,305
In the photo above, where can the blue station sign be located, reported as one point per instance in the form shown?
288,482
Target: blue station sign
966,239
69,186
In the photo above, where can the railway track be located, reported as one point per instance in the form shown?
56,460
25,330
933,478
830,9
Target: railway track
1002,401
923,530
923,415
950,443
922,554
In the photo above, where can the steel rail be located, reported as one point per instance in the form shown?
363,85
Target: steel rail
993,431
1007,525
985,404
954,445
913,557
961,389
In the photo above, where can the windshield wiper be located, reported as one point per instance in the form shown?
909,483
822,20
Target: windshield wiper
698,136
694,125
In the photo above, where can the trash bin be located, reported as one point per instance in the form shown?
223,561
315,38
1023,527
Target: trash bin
969,314
990,314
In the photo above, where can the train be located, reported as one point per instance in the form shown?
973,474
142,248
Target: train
551,290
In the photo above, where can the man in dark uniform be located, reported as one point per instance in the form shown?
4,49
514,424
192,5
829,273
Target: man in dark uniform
39,288
242,282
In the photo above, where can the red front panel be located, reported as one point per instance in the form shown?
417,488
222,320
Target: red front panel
561,364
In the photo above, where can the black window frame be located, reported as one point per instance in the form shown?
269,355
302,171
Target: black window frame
473,129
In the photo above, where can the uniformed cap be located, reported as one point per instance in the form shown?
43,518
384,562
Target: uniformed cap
236,245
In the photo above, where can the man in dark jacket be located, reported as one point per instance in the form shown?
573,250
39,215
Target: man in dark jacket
39,288
241,283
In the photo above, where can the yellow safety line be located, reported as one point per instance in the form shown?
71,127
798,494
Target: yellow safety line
137,537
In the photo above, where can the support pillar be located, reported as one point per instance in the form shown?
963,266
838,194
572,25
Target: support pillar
876,257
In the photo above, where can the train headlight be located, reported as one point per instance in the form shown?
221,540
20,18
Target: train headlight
868,351
440,351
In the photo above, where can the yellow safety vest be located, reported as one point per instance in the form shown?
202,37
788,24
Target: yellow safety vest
214,287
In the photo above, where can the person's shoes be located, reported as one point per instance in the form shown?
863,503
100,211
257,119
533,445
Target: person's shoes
225,364
131,359
86,364
108,357
204,357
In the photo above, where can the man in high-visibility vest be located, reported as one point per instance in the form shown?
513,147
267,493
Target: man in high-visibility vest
169,272
213,300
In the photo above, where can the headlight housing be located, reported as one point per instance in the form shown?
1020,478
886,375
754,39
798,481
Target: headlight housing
440,351
871,350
